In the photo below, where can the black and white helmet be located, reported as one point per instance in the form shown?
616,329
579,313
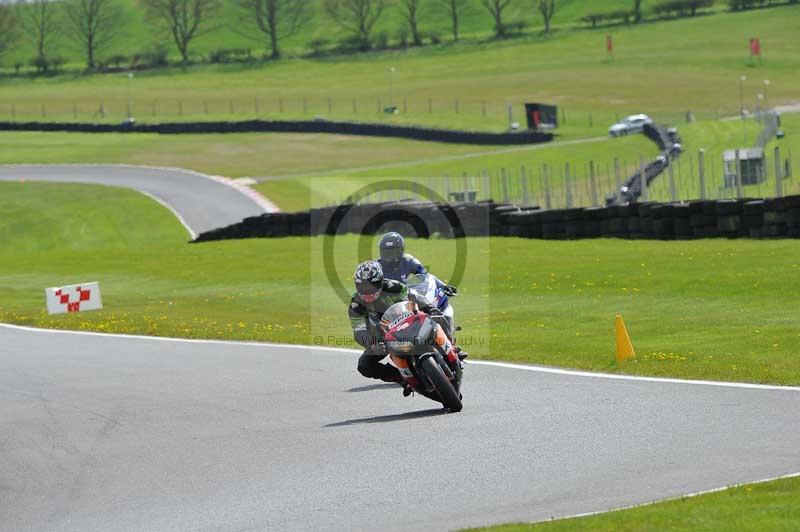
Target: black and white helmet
392,246
369,280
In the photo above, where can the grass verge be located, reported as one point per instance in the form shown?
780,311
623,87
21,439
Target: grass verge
711,309
755,507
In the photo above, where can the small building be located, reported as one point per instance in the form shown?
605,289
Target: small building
541,116
752,163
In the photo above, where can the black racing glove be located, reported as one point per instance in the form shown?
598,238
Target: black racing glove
450,290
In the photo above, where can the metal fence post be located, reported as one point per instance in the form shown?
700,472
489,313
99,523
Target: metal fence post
738,176
778,173
593,183
642,178
567,188
504,179
523,172
673,193
701,171
548,203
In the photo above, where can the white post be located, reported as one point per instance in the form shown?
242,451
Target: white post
593,183
548,203
701,170
642,178
567,187
504,178
738,176
524,181
673,193
778,173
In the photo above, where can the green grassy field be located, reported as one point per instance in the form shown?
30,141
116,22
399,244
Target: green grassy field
231,155
756,507
653,71
712,309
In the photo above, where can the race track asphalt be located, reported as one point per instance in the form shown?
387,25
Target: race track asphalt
202,202
102,433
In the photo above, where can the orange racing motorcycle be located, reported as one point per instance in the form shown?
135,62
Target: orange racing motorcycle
425,356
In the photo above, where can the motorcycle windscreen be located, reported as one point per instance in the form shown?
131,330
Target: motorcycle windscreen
397,313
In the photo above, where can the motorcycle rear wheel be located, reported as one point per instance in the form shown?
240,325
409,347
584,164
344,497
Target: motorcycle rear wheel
448,394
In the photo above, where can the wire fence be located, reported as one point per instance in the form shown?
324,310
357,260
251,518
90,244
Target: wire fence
688,177
456,112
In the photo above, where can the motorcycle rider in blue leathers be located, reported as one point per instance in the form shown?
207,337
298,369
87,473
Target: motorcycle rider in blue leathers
399,265
396,263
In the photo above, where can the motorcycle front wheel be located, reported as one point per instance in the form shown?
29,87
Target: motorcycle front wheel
448,394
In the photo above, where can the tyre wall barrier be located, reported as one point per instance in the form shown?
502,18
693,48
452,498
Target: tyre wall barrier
746,218
286,126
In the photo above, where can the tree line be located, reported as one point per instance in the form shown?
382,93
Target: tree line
94,25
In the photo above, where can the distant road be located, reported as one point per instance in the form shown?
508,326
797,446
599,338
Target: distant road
104,433
201,202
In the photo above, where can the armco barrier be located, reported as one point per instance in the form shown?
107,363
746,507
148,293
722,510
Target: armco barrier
759,218
287,126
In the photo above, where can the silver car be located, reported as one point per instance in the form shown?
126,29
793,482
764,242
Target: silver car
629,124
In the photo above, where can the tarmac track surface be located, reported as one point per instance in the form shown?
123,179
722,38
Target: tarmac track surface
105,433
201,203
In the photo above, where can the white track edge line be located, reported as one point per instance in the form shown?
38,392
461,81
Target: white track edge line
612,376
507,365
171,209
668,499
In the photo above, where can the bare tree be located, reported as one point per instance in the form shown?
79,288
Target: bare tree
185,19
275,19
8,27
93,24
411,10
358,16
455,9
496,8
637,10
40,22
547,8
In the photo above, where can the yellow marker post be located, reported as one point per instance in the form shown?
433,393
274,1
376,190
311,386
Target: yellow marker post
624,346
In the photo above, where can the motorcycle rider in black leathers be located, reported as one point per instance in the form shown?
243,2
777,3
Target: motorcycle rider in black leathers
374,295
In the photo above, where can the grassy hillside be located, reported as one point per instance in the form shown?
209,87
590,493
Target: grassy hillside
664,69
713,309
140,34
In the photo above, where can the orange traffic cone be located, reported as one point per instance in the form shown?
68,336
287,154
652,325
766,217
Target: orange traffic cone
624,346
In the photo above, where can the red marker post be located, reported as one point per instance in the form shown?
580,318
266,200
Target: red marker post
610,46
755,48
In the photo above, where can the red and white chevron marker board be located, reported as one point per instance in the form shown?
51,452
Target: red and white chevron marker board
74,298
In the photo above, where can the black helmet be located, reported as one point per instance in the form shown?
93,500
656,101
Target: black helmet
392,247
369,280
